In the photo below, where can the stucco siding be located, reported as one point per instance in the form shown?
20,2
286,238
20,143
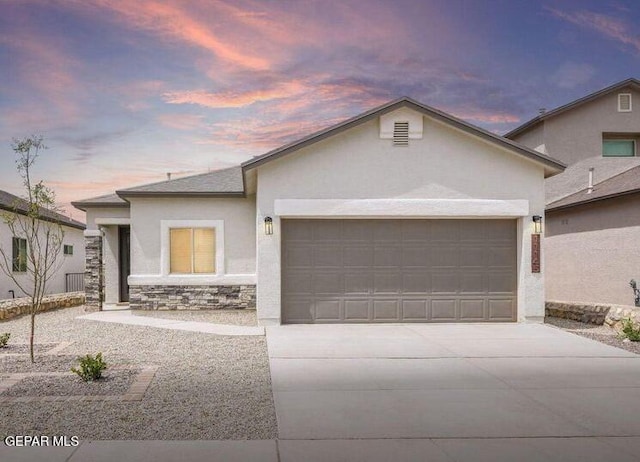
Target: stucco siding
533,138
94,213
68,263
592,251
445,164
238,216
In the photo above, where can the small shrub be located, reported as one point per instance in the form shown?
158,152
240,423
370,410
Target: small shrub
630,331
90,367
4,338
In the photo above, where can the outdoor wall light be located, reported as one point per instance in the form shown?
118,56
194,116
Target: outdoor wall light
268,225
537,224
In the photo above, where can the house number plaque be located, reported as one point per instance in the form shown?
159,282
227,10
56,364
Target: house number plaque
535,253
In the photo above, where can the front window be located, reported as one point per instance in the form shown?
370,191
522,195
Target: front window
192,250
68,249
19,255
618,148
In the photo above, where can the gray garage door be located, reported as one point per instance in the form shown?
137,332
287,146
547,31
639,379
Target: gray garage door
398,271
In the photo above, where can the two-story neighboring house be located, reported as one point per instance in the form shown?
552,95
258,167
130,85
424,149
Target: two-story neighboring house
70,273
592,223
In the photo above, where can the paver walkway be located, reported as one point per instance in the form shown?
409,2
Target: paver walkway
127,317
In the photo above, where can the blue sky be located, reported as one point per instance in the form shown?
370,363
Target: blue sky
124,91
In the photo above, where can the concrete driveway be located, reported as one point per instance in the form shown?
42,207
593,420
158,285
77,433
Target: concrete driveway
458,392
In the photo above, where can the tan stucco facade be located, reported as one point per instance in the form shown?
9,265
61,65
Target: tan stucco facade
593,251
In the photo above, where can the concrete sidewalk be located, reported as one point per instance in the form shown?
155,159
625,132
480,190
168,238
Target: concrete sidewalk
586,449
127,317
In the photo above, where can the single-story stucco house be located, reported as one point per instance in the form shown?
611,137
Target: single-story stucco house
401,214
69,264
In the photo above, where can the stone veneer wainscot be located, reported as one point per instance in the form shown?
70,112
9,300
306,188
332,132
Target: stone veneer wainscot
93,270
199,297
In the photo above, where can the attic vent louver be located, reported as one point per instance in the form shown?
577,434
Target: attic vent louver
401,133
624,102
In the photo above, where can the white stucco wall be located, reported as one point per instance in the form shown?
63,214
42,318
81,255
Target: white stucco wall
68,263
237,216
445,164
94,213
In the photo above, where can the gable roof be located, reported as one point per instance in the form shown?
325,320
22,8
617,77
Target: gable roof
552,166
108,200
228,182
15,204
627,182
573,104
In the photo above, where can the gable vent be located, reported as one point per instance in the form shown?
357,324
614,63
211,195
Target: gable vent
401,133
624,102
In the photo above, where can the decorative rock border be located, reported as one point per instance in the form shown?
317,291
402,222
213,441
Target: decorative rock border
14,307
593,313
135,392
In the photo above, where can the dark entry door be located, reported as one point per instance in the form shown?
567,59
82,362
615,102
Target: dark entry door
124,236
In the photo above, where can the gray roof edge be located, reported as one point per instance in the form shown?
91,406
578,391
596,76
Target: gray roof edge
83,205
570,105
66,221
554,164
551,208
125,193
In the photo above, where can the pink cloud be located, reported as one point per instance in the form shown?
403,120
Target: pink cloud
173,21
181,121
479,115
609,26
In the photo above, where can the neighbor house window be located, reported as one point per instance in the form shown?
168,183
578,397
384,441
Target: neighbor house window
192,250
19,255
68,249
618,148
624,102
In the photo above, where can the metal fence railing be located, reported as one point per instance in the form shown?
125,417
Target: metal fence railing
74,282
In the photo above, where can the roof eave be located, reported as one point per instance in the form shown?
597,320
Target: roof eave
549,208
49,219
133,194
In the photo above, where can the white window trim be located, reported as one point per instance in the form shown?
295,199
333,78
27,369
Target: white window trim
165,246
620,95
620,139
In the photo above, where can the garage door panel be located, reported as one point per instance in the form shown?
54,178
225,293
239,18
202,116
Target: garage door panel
386,310
357,256
327,256
328,283
501,309
443,310
357,310
416,283
327,310
472,309
386,283
415,310
444,283
398,270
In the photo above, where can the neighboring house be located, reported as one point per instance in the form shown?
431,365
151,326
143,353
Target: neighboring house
592,235
71,255
401,214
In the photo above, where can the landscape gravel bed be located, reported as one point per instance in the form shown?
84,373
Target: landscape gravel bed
207,387
44,363
231,317
115,382
602,333
23,348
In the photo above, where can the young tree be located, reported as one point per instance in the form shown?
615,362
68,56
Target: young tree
35,219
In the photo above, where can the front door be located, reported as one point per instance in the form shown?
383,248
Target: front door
124,237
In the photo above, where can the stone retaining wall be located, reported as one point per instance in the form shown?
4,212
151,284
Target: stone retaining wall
15,307
160,297
594,313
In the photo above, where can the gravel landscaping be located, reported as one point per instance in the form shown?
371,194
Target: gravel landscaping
115,382
231,317
44,363
207,386
603,333
23,348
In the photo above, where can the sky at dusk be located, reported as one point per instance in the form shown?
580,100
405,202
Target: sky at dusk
124,91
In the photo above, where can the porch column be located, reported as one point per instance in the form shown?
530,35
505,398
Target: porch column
93,270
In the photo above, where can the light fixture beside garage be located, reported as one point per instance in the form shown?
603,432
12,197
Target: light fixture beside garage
268,226
537,224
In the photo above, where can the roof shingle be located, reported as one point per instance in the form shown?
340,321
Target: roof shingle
12,203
